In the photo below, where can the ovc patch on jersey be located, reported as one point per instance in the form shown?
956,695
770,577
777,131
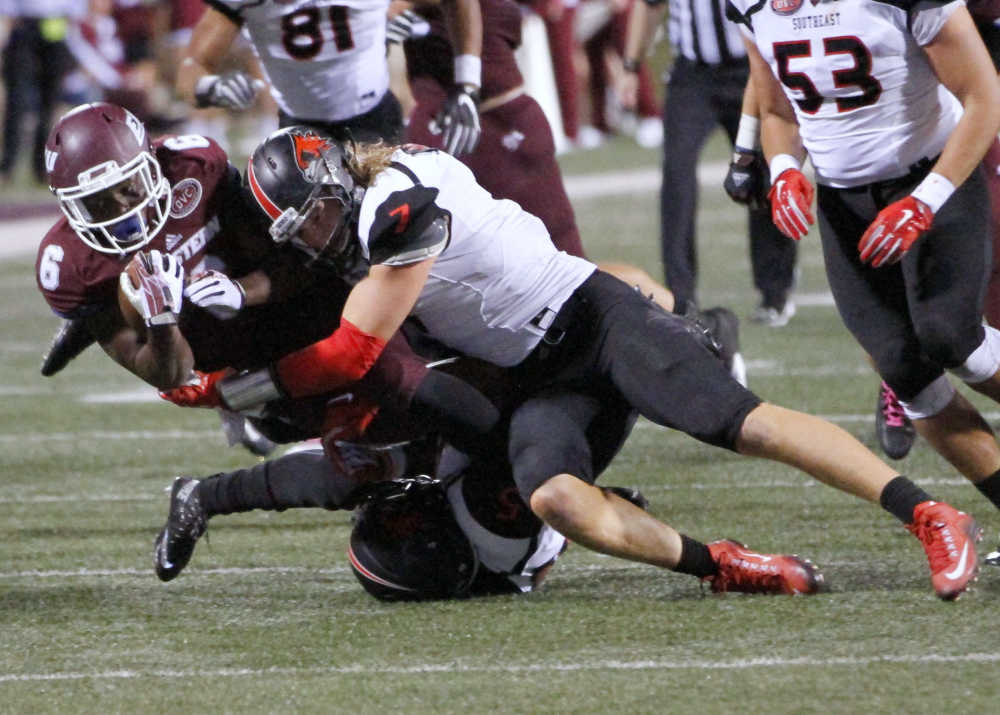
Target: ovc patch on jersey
185,197
786,7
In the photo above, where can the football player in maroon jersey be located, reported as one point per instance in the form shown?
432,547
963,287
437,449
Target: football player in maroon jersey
169,210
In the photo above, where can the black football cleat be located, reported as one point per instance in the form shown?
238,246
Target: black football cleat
186,522
893,428
72,338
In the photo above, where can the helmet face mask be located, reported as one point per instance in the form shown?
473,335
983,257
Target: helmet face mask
109,184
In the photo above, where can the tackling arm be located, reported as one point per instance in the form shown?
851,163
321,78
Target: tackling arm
374,311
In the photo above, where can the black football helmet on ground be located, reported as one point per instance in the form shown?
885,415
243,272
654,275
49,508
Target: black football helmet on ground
101,167
291,173
407,546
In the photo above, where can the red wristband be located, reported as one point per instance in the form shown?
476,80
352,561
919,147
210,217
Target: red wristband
338,360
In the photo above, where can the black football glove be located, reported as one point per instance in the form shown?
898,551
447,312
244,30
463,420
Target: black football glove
748,179
233,90
458,120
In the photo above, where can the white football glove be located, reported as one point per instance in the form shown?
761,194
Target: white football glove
154,284
405,25
217,293
233,90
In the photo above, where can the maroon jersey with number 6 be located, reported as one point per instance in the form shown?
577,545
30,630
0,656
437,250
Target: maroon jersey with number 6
76,280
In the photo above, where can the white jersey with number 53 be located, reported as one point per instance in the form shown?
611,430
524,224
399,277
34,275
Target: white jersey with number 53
868,104
325,59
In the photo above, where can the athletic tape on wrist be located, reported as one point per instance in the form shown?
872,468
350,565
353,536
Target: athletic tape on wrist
934,190
748,133
468,70
783,162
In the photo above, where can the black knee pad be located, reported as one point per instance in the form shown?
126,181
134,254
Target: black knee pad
945,341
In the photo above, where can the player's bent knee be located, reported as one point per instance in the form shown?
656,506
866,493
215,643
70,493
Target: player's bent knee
943,341
931,400
551,502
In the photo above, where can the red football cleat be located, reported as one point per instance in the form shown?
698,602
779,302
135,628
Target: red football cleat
746,571
949,537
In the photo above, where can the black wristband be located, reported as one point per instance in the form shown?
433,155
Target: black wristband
631,66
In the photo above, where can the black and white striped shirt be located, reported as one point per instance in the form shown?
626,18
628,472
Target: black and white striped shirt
699,31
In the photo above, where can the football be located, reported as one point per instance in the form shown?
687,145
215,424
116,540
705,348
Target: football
128,311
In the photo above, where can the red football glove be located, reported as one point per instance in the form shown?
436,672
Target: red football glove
791,197
896,228
200,392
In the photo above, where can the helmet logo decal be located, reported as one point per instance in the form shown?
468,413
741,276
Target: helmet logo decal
50,158
186,197
136,127
308,148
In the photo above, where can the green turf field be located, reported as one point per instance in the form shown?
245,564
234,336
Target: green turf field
268,617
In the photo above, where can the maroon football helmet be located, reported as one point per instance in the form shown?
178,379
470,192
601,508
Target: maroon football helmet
102,169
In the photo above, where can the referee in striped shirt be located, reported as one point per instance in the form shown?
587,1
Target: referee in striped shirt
705,90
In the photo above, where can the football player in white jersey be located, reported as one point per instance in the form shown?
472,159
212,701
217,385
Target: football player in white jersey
895,104
326,64
481,277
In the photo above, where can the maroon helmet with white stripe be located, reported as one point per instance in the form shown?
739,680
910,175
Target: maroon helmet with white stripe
101,167
291,173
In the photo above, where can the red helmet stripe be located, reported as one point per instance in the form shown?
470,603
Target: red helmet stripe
359,567
262,199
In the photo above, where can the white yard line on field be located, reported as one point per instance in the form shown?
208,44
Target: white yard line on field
450,668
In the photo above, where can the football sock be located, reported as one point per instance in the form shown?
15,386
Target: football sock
695,559
900,497
990,488
299,480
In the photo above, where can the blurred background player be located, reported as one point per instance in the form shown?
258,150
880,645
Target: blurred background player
326,66
35,61
704,91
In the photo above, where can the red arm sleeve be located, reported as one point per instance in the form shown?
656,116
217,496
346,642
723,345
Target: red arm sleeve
338,360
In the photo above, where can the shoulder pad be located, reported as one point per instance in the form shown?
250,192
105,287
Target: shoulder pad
408,227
